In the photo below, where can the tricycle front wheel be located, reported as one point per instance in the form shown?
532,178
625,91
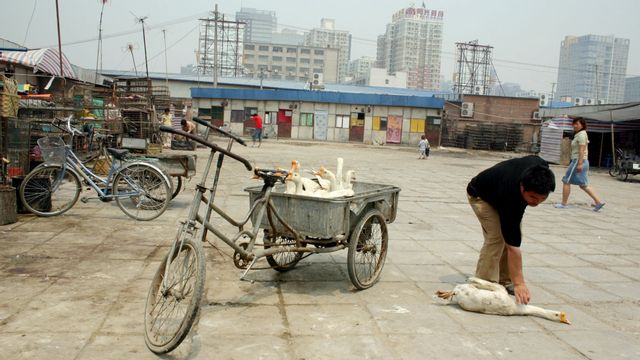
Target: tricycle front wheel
283,261
367,250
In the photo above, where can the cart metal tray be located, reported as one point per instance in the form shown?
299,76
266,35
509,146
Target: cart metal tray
175,164
327,218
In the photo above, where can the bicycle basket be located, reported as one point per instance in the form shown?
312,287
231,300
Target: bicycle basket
52,149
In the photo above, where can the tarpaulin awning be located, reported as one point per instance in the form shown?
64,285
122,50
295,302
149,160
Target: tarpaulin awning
43,60
615,113
593,125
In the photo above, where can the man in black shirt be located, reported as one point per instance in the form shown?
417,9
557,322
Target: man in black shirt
498,197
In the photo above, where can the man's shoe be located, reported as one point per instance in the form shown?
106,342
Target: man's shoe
598,207
561,206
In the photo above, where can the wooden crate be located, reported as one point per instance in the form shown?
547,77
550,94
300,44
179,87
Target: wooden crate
154,149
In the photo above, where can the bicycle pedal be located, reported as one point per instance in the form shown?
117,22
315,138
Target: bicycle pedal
84,200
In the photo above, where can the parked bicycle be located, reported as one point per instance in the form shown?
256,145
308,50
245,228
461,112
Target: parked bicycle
141,190
291,228
100,161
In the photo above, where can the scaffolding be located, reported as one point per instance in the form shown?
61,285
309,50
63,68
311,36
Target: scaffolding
474,73
220,46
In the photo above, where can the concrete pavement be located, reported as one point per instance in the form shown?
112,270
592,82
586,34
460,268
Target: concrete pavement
74,286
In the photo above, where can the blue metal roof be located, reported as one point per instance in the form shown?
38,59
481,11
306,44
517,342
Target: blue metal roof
319,97
274,84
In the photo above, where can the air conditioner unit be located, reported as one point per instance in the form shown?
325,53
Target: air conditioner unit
536,115
318,79
590,102
578,101
543,100
478,90
601,101
467,109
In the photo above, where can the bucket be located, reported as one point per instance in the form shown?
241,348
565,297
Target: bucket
8,209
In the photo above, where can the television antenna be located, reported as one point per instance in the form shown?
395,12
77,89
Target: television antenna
141,19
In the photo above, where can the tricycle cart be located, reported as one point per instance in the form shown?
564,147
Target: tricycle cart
330,225
175,166
292,226
628,167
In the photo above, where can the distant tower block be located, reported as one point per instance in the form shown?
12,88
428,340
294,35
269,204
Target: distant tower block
473,74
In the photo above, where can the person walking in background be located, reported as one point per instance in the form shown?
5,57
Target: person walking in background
166,121
257,133
578,170
499,196
423,147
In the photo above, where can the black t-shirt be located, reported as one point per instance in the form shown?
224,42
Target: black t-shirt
499,185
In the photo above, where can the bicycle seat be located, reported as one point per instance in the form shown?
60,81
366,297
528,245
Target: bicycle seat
270,176
119,154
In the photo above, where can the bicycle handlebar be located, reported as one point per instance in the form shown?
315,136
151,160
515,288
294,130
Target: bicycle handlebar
67,126
215,147
223,132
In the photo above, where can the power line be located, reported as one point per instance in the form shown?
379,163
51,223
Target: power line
357,39
35,3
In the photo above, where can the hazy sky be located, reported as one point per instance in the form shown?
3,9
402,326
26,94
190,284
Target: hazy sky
526,35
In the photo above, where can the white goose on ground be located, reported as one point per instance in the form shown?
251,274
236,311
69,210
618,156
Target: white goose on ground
486,297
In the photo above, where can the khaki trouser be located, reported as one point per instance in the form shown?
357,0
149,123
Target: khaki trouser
492,263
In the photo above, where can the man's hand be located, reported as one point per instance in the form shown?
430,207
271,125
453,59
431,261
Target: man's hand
579,168
522,294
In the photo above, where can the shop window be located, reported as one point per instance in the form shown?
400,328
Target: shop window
380,123
306,119
342,121
237,116
417,126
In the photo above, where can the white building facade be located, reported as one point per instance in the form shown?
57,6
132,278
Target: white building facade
328,37
592,69
413,44
289,62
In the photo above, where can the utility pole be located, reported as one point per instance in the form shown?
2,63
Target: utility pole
597,84
99,56
261,75
553,86
144,41
166,67
59,41
215,47
130,47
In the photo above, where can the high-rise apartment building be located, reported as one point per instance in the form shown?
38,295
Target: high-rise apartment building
259,24
328,37
412,43
592,69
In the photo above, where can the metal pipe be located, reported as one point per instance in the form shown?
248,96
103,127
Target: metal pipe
59,40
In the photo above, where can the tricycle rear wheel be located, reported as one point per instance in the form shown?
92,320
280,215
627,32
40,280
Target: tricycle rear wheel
367,249
623,175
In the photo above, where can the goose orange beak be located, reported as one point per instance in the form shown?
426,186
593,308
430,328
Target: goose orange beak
563,318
